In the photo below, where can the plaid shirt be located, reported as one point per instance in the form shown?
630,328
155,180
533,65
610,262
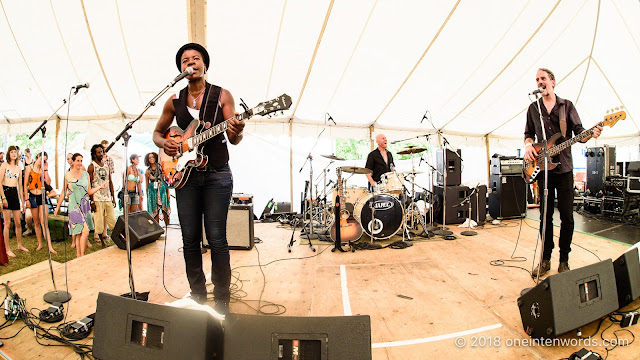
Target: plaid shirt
109,161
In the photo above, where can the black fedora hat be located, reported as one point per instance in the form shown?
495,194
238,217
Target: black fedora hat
193,46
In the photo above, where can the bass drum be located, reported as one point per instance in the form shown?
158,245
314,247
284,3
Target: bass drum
389,215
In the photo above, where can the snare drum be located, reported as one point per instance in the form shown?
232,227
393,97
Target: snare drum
389,215
392,182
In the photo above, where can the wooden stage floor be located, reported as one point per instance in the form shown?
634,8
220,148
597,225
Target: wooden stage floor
420,299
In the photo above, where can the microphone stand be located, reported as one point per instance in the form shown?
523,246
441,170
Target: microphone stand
470,232
124,135
545,195
56,295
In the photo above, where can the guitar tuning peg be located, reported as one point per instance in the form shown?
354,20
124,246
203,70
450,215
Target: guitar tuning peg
617,108
621,107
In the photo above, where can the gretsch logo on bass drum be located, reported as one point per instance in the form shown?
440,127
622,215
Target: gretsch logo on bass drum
383,205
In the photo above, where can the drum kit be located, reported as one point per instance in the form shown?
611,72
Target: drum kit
395,204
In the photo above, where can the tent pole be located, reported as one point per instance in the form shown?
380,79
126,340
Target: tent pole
57,174
291,161
197,21
372,142
486,145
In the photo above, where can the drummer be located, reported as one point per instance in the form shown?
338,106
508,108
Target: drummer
379,161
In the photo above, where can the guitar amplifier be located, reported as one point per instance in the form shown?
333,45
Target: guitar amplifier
240,227
506,165
241,199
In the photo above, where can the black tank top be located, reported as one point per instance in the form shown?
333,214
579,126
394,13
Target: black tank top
216,148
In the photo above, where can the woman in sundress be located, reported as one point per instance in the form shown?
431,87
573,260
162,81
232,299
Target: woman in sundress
157,189
78,187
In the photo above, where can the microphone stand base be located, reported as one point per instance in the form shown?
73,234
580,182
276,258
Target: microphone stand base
443,232
57,296
468,233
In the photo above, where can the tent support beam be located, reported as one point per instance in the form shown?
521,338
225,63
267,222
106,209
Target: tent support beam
371,140
486,145
197,21
291,161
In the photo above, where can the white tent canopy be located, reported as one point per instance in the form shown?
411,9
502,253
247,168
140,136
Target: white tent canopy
378,63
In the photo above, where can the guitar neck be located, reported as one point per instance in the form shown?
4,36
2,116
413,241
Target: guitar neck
567,144
340,191
219,128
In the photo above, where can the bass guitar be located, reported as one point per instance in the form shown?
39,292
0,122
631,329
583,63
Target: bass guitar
350,229
531,169
176,169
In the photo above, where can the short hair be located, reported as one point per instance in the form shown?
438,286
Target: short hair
133,156
94,151
75,156
551,76
146,158
27,150
104,142
45,154
9,150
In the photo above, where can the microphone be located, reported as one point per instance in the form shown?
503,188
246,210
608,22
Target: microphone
78,87
421,160
424,116
188,71
536,91
331,119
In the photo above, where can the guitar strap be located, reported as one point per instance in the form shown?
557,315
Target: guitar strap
563,120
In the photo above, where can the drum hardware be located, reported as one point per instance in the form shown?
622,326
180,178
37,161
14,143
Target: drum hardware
356,170
308,210
333,157
412,151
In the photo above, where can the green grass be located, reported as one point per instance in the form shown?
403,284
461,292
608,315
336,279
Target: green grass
24,259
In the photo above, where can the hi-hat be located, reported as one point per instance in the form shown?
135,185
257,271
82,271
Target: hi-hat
412,151
356,170
413,172
332,157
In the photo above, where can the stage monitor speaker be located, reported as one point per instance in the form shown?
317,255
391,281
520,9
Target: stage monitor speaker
311,338
507,199
455,195
454,167
627,269
133,329
566,301
240,227
143,230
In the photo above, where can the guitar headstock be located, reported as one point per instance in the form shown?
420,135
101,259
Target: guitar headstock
612,118
280,103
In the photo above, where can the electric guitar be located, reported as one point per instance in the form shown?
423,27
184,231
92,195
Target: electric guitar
531,169
176,169
350,228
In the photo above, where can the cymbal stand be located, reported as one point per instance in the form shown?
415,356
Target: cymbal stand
372,207
431,227
325,215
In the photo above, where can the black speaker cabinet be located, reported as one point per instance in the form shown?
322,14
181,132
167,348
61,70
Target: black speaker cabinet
240,227
455,195
507,199
479,201
566,301
601,163
143,229
282,337
454,167
627,269
133,329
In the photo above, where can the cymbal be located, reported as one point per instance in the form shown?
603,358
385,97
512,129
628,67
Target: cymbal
356,170
332,157
412,151
413,172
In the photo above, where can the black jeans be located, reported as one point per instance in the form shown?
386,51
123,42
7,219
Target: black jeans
206,193
562,184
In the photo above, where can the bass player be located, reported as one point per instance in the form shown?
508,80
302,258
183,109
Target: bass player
560,185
